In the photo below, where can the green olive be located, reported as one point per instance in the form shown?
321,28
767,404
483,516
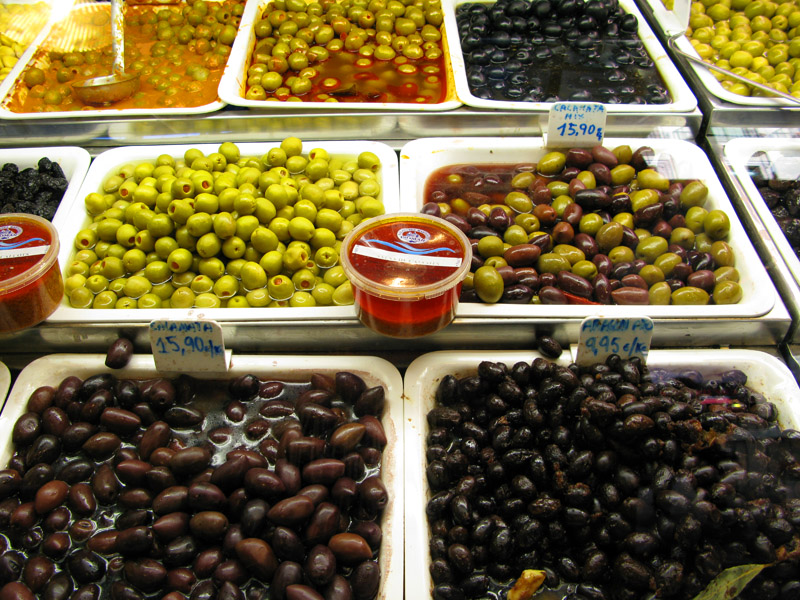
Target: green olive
622,174
491,245
570,252
272,262
488,284
157,272
105,299
650,178
179,260
343,294
683,237
558,188
716,224
226,286
585,268
621,254
651,248
233,247
137,286
551,262
727,292
280,287
690,295
134,260
253,276
551,163
667,262
96,283
304,280
591,224
609,236
81,297
112,267
693,194
323,294
695,218
651,274
726,274
722,253
660,293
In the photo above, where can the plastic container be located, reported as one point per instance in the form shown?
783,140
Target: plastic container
30,279
406,270
765,374
52,369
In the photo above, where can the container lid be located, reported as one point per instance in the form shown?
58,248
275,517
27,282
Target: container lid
406,256
28,248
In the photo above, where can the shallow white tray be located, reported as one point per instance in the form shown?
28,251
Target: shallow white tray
234,78
669,23
676,159
765,374
76,219
9,84
74,161
682,98
50,370
783,156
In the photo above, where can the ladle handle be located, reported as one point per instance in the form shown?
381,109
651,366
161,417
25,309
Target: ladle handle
118,36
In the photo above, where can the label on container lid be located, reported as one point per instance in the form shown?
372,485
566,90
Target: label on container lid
572,124
186,346
601,337
23,243
405,254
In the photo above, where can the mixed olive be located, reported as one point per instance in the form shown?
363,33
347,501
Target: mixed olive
179,52
175,489
618,481
348,51
756,39
782,197
223,230
547,51
587,226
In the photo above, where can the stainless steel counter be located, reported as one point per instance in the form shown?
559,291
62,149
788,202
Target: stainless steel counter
395,128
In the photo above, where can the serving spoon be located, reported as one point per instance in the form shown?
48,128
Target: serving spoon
119,85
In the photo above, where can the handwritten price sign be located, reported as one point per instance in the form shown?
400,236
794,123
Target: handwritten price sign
600,337
573,124
188,346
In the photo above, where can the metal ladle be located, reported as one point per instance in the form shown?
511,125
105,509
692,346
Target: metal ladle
119,85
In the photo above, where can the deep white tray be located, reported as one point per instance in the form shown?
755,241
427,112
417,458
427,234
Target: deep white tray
765,374
50,370
782,154
675,159
234,78
682,98
75,219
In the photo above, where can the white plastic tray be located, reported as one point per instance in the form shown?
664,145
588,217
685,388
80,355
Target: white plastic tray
74,161
668,22
682,98
234,78
9,84
50,370
75,219
781,153
765,374
675,159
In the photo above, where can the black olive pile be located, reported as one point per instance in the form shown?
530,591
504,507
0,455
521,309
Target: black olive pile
175,488
553,50
36,191
782,197
619,482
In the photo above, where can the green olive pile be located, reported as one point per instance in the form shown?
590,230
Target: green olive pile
585,227
756,39
353,50
223,230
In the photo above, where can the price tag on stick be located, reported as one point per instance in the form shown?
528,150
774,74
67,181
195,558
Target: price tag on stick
601,337
188,346
573,124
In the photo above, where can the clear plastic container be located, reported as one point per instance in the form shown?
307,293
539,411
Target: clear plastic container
406,270
30,279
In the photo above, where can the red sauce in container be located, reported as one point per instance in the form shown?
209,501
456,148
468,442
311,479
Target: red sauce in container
31,287
406,271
